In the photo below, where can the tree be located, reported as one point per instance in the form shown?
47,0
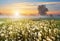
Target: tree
42,9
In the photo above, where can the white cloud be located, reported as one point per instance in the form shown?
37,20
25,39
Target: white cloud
26,5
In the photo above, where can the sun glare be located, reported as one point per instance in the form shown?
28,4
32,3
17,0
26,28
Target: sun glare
16,14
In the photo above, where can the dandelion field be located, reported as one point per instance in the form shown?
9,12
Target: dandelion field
29,30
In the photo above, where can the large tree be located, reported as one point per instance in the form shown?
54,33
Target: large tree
42,9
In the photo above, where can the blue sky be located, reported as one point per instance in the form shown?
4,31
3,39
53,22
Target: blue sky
52,5
15,1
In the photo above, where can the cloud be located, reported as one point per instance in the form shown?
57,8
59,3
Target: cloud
28,6
45,3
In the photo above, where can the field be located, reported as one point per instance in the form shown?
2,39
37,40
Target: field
29,30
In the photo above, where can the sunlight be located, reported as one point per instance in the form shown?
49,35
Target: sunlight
16,14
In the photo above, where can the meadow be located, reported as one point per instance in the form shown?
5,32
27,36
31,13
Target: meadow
29,29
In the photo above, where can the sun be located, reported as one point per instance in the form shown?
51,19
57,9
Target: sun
16,14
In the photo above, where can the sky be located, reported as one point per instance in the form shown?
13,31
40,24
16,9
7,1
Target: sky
28,7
